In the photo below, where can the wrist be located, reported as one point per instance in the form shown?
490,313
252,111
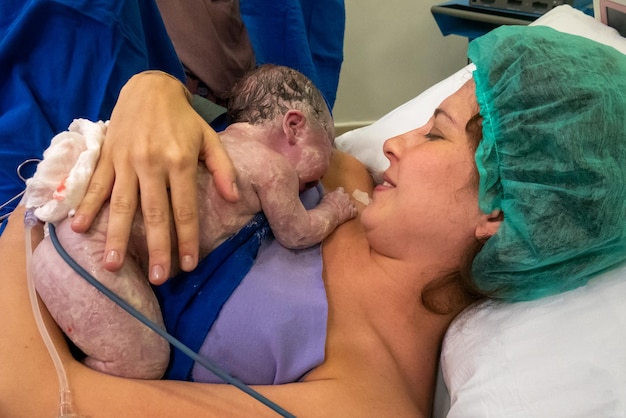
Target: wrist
160,80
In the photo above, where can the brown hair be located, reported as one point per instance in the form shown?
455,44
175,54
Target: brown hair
454,291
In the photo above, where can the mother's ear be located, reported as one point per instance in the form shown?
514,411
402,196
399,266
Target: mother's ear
489,224
293,122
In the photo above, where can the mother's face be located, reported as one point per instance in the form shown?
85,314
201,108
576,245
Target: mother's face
428,202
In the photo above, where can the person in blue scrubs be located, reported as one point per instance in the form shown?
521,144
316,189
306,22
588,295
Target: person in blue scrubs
303,34
62,60
67,59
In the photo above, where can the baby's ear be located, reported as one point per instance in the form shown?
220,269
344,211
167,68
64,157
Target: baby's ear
294,121
489,224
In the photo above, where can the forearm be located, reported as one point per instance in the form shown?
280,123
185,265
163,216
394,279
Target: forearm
295,227
97,395
309,227
106,396
28,382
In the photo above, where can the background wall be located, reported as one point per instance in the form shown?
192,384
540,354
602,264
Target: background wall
393,51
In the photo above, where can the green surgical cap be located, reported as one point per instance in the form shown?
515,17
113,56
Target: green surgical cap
552,157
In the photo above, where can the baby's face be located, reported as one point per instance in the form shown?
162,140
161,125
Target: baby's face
315,151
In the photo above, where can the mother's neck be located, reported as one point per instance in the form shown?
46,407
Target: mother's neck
377,301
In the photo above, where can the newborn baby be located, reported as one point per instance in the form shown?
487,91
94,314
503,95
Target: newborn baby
280,141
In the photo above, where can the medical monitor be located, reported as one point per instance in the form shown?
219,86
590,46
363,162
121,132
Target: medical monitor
612,13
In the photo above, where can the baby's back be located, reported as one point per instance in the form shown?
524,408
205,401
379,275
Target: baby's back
219,219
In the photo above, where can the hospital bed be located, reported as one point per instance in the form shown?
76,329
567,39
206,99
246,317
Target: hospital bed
561,356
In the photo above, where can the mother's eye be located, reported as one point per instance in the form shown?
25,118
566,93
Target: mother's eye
431,136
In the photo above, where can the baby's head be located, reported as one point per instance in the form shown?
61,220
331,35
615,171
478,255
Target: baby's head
270,91
272,94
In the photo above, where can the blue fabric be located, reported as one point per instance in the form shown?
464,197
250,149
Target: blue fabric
67,59
303,34
191,302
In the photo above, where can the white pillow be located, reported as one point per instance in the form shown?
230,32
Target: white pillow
560,356
366,143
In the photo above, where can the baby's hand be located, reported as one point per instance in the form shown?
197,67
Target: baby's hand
345,208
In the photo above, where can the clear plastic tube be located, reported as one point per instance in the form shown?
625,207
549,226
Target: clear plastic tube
65,395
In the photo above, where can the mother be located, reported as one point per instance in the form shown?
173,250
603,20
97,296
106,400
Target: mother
398,275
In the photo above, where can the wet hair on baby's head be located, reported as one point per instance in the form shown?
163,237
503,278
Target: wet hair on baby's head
270,91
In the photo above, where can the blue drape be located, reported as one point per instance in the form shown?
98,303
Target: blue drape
65,59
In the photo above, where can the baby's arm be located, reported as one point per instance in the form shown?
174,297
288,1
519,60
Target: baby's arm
293,225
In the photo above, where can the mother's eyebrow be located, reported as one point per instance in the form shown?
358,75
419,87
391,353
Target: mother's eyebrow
445,114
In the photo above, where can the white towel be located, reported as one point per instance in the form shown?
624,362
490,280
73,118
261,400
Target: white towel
61,179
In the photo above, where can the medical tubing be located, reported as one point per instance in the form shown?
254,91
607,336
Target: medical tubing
8,202
65,395
160,331
20,194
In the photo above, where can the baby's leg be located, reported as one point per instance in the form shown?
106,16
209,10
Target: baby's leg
114,342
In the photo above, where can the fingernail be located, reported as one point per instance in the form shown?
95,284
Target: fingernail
187,264
79,220
112,257
157,274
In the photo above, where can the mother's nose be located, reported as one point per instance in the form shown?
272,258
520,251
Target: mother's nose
388,148
393,146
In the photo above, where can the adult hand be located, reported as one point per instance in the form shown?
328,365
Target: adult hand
150,155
